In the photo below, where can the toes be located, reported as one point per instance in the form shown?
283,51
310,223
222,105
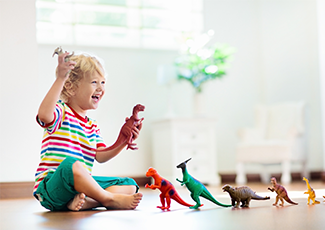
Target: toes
82,196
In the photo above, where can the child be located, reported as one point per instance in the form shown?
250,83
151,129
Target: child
71,142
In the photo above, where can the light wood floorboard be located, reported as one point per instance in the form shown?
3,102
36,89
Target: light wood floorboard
28,214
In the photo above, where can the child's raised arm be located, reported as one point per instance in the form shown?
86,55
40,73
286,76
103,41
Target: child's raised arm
47,107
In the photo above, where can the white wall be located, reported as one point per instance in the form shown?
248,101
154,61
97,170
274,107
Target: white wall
290,62
321,42
276,60
19,137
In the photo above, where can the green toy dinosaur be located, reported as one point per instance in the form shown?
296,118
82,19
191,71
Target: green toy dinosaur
196,188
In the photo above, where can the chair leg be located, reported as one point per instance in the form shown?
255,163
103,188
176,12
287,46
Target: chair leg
265,175
241,176
305,172
286,172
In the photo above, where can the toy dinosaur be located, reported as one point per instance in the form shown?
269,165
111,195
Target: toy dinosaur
310,192
242,194
281,193
168,190
59,51
126,130
196,188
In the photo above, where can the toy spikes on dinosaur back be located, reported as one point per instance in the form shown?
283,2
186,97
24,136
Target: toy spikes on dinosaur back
196,188
126,130
167,189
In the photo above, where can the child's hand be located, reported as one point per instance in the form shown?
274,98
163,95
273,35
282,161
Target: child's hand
64,68
136,130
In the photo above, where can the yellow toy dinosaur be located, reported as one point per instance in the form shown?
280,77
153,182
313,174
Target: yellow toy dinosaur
310,192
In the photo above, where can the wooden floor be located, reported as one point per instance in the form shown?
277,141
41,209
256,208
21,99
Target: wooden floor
28,214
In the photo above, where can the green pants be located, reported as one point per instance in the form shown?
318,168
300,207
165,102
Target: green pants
57,188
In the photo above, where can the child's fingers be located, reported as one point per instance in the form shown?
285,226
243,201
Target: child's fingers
71,64
135,132
139,126
62,56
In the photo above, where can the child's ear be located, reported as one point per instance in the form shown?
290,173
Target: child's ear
70,88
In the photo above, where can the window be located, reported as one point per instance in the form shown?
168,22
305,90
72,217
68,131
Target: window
118,23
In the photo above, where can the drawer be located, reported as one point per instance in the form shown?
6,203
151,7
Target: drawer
201,154
199,170
191,137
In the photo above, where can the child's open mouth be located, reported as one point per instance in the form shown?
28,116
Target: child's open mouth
96,98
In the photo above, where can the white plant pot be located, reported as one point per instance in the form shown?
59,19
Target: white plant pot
199,105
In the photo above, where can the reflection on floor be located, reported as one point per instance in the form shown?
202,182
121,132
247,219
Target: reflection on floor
27,213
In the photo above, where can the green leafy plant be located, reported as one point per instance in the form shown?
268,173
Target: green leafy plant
200,63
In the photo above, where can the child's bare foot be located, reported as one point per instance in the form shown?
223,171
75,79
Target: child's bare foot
126,202
77,202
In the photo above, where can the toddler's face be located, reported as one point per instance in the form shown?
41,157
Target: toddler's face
90,91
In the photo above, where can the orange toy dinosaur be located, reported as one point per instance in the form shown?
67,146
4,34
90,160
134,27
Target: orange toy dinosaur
168,190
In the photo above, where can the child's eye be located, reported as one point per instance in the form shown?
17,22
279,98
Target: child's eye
94,82
103,82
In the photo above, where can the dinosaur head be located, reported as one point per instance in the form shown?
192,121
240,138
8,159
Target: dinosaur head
151,172
226,188
273,181
305,179
57,51
139,108
136,109
183,164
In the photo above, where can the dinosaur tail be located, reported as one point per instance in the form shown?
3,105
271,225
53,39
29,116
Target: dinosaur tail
257,197
207,195
179,200
289,201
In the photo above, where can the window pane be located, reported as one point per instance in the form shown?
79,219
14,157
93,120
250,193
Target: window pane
106,36
125,23
54,13
100,18
104,2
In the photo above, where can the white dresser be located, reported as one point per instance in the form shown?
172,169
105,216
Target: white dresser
178,139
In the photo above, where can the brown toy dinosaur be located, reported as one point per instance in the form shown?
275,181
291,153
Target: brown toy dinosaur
126,130
281,191
167,189
310,192
243,194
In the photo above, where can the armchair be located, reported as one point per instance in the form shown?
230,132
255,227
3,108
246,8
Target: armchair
278,138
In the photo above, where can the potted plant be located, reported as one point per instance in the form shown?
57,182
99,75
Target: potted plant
199,63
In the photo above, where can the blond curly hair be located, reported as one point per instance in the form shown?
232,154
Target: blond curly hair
85,65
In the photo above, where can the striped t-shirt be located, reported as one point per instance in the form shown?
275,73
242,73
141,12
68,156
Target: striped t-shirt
68,135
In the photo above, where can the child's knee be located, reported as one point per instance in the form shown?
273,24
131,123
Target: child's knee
132,189
122,189
77,168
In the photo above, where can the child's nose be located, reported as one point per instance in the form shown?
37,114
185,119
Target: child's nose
100,87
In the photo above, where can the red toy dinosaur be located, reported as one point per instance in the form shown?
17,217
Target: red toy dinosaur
168,190
281,193
126,130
